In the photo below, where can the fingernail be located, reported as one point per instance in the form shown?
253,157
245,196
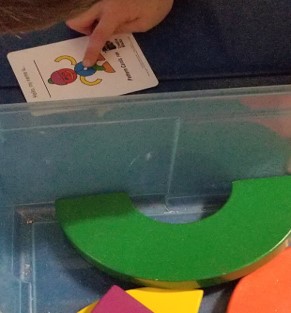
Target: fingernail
87,63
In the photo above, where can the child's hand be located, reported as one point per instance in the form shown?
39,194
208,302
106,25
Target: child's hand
107,17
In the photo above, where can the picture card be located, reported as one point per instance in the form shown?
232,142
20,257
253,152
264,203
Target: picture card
55,71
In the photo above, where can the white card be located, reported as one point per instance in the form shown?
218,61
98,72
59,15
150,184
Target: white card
55,71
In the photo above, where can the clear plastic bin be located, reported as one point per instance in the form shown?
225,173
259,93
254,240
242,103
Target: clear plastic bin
176,155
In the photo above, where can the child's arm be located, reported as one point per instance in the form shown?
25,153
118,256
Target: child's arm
107,17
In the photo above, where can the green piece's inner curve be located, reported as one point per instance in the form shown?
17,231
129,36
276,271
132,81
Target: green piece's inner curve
248,230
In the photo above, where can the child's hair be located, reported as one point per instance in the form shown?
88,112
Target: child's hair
26,15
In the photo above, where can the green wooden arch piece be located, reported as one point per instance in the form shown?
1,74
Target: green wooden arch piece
250,229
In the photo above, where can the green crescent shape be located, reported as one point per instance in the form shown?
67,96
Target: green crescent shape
250,229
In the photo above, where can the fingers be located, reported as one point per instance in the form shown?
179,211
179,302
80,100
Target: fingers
113,16
84,23
107,26
99,32
103,31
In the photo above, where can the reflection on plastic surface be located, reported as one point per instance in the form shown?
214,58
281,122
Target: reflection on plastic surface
280,124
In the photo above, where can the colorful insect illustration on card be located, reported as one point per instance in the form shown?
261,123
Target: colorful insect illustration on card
65,76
